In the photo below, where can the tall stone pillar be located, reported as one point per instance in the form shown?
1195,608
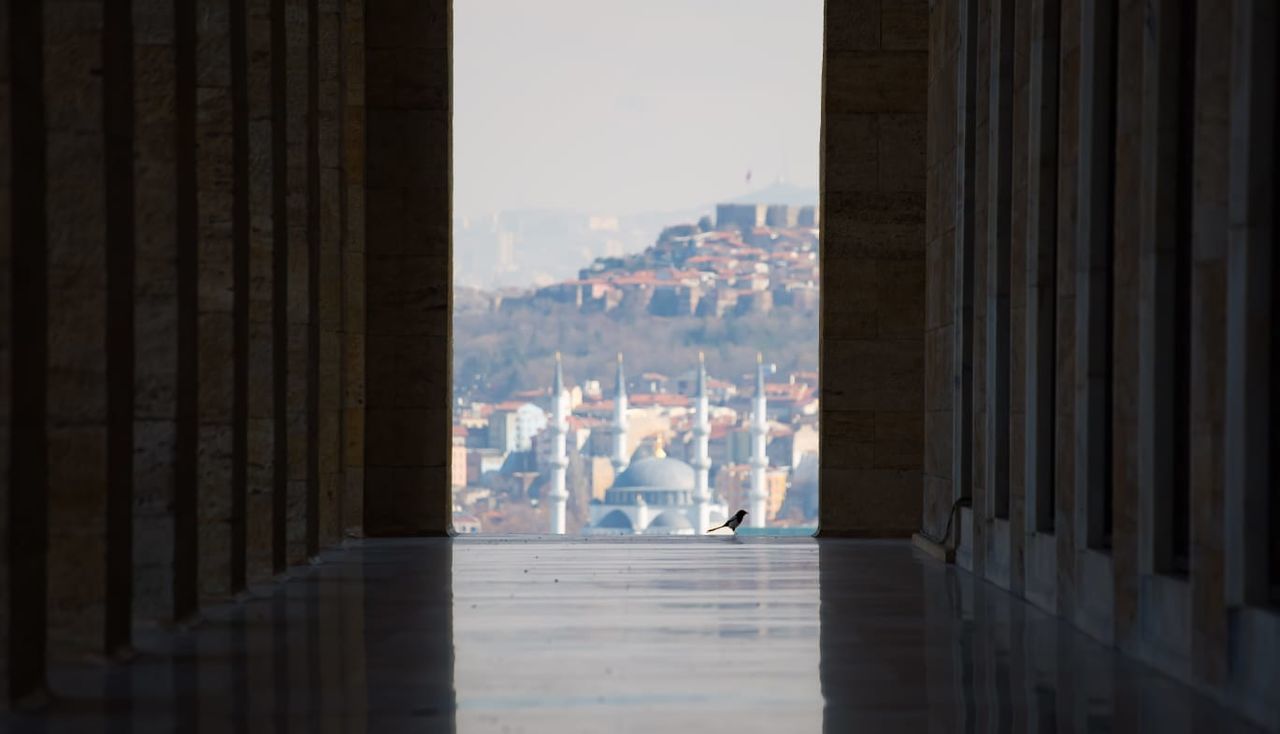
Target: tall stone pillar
215,357
260,387
88,158
352,130
329,267
297,274
155,421
6,344
407,191
873,211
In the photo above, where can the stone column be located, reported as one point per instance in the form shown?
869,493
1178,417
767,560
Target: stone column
186,573
215,358
1018,243
1095,306
408,229
118,113
241,234
297,34
352,130
972,554
155,310
329,142
1041,373
279,287
998,234
873,210
994,510
1210,534
1251,247
942,283
962,395
1125,332
1065,351
6,346
260,408
89,135
77,292
313,217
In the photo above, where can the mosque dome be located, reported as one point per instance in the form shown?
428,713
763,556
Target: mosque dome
616,520
670,521
657,473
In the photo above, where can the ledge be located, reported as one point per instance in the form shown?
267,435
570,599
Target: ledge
866,533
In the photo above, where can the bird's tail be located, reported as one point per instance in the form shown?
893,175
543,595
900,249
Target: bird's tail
718,527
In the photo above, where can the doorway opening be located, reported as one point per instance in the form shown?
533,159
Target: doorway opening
635,267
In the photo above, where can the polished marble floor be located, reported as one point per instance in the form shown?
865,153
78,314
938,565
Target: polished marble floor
702,634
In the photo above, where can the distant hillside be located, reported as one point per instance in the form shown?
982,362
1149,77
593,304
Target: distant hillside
497,353
526,248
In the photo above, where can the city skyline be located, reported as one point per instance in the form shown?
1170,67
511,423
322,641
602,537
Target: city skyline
669,446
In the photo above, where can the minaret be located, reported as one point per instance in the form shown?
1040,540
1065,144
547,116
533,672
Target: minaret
620,456
558,496
701,455
759,497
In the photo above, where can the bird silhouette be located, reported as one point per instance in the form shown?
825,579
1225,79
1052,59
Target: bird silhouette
733,522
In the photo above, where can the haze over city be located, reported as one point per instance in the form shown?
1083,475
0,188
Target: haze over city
621,107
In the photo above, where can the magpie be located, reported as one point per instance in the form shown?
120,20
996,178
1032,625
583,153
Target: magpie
733,522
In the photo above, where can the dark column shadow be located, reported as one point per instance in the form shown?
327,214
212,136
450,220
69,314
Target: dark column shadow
872,639
408,635
908,644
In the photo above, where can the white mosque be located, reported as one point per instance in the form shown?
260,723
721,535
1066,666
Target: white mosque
657,495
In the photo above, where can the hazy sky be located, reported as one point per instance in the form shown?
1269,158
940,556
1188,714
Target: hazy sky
625,106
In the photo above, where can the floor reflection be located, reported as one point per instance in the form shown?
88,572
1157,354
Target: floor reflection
291,657
636,636
629,636
911,645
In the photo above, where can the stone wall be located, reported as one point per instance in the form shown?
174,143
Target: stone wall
182,286
1091,304
407,192
875,92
